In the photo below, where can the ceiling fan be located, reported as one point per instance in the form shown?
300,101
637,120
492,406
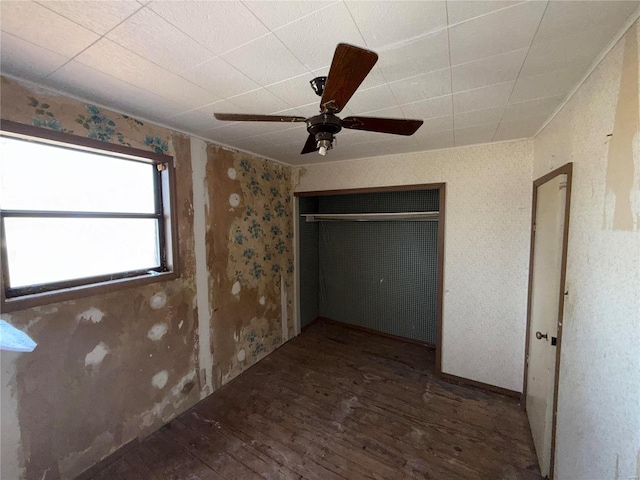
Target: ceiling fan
349,67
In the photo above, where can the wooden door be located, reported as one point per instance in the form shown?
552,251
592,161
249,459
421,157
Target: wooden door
546,301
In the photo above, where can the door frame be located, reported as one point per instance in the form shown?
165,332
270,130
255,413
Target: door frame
441,187
567,170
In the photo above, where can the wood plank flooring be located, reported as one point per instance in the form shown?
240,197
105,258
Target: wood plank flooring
337,403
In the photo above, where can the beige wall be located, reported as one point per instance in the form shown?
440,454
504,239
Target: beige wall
63,406
488,214
598,432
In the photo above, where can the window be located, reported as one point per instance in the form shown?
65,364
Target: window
79,216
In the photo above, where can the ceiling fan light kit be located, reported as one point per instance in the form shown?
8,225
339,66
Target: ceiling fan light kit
349,68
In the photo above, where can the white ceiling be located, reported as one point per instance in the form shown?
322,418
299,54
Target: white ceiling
474,71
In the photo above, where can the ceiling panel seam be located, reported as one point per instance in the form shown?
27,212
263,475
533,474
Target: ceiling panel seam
93,43
386,82
280,28
453,107
202,45
484,14
635,16
169,72
521,67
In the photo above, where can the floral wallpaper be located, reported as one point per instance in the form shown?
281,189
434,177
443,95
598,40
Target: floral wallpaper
253,246
58,390
42,109
261,237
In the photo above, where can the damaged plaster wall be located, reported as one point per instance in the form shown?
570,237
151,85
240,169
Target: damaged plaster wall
488,211
114,367
250,251
110,367
598,431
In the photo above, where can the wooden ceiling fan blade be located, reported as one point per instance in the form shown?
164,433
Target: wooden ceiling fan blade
310,146
349,68
397,126
241,117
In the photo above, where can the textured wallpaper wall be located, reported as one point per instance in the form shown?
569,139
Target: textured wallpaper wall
488,210
111,367
598,431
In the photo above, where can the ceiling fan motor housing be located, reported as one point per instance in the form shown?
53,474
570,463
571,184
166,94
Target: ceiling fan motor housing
324,127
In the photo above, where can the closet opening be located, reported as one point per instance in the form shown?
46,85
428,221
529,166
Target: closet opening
373,259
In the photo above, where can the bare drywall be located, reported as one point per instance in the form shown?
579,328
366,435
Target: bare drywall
113,367
598,427
488,203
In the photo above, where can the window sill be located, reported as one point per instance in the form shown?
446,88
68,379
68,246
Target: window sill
74,293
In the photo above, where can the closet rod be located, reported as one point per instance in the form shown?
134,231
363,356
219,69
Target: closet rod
372,217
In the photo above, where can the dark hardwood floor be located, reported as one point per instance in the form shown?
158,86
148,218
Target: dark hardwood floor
337,403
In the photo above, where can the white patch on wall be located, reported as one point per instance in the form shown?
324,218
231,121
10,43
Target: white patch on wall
234,199
177,398
283,309
242,355
158,301
262,300
180,324
92,314
232,173
159,380
157,331
200,212
95,356
235,289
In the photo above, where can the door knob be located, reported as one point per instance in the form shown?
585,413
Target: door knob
540,336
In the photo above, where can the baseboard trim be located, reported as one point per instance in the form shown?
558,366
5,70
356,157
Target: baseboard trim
484,386
368,330
445,376
310,324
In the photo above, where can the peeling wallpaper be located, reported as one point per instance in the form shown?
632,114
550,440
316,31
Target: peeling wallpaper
113,367
252,255
598,431
488,212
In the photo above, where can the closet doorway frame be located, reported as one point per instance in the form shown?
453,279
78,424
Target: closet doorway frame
441,187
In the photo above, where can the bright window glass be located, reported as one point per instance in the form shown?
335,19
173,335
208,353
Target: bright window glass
71,214
45,250
36,176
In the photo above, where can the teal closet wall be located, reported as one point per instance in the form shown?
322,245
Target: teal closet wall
378,275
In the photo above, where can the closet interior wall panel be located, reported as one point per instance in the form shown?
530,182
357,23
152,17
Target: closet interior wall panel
379,275
309,262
